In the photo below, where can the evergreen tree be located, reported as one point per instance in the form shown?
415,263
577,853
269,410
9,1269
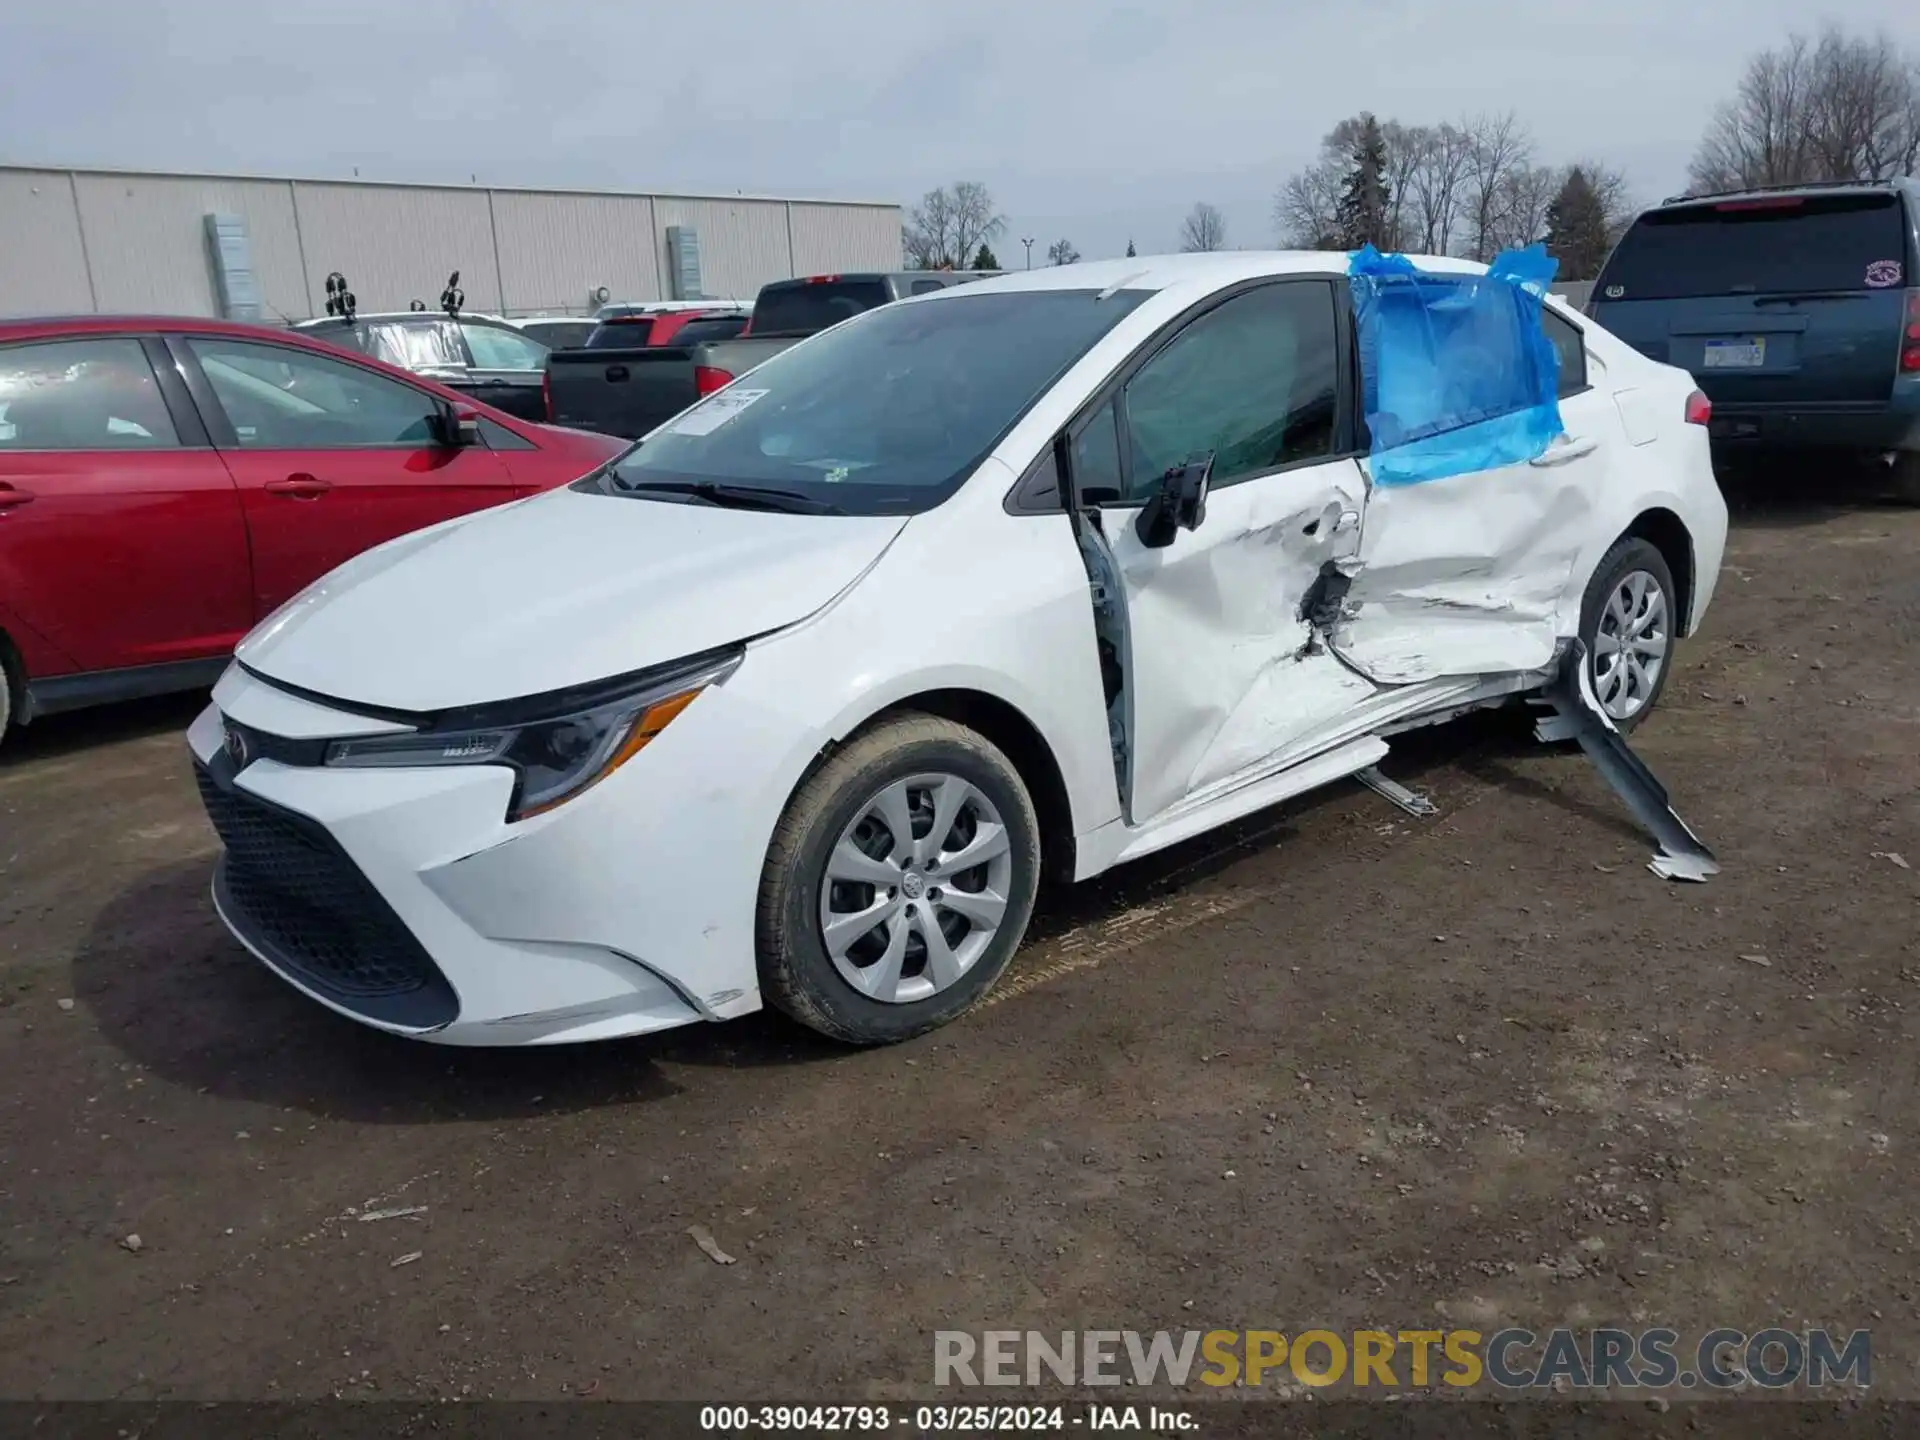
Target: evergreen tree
1577,228
985,259
1360,216
1131,252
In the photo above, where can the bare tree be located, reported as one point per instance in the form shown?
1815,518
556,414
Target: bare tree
1461,187
1840,107
1520,208
1205,228
948,227
1435,185
1304,210
1408,149
1499,146
1061,252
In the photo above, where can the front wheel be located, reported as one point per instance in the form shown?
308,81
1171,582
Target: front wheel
898,884
1629,619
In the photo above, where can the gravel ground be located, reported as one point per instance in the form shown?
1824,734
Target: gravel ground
1339,1068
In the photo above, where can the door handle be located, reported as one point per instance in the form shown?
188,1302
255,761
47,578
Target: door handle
1573,449
300,487
617,372
12,497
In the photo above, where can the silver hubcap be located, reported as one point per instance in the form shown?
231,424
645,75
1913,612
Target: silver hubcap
1631,648
916,888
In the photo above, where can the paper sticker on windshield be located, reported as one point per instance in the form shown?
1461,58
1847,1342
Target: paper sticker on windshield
1884,274
713,412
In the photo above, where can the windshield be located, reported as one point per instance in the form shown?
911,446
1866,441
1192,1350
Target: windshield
410,344
887,414
1774,245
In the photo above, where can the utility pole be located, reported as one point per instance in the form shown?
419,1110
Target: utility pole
1027,240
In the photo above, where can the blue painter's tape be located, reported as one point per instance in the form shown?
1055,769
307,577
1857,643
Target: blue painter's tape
1457,373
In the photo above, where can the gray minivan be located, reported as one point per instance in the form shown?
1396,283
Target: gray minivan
1797,310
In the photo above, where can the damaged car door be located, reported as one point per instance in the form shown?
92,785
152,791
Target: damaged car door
1466,558
1241,418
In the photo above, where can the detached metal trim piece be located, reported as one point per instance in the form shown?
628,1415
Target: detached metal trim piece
1578,716
1410,801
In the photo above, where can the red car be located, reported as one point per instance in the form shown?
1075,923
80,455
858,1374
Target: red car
167,482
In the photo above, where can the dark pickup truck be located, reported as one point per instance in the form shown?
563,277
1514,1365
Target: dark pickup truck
628,392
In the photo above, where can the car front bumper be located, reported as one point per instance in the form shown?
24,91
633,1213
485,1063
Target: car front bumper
401,897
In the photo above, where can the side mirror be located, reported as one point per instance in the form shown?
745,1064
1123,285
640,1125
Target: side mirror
457,426
1180,504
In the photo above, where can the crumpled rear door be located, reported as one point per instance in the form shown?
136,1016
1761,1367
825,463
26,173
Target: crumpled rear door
1480,490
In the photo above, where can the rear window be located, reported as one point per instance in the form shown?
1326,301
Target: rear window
1765,245
701,332
621,334
814,305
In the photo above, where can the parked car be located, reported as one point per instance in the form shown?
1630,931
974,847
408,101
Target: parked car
1797,310
167,483
558,332
793,702
490,359
629,393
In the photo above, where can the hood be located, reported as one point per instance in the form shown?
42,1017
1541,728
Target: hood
559,590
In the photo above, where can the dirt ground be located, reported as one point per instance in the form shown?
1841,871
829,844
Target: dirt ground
1341,1068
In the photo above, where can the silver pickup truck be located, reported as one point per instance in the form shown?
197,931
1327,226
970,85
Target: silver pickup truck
627,392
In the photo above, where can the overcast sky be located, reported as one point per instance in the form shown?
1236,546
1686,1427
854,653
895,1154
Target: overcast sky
1097,121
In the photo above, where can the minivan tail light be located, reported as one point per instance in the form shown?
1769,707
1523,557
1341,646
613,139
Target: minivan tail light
1699,409
1910,336
709,378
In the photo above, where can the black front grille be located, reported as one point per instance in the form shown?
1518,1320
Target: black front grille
297,897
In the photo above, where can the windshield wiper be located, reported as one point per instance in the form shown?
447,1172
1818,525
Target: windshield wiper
736,497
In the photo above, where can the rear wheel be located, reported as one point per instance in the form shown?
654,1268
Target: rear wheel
1906,477
1629,619
898,884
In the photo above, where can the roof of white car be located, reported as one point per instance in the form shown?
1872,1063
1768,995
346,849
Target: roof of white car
1160,272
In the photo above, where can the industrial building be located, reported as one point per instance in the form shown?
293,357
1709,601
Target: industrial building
253,247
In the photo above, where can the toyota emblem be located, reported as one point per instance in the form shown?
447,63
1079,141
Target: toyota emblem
236,747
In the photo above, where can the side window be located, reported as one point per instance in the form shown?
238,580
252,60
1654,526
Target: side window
82,395
1096,459
279,398
1571,347
1255,381
497,349
926,287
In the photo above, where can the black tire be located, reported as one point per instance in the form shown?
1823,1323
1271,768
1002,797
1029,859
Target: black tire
797,975
1906,478
8,683
1629,554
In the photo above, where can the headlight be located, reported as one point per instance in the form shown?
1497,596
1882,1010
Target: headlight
553,756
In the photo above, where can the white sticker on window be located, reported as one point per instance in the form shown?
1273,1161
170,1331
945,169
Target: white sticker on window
1884,274
713,412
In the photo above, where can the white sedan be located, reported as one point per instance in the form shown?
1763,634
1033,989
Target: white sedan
794,702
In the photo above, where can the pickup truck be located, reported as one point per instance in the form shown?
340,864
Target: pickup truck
628,392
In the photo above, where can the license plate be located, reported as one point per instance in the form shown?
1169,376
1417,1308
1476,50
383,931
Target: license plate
1737,354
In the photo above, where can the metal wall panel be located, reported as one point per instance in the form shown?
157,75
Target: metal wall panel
147,241
397,244
43,270
743,243
845,237
555,249
132,241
